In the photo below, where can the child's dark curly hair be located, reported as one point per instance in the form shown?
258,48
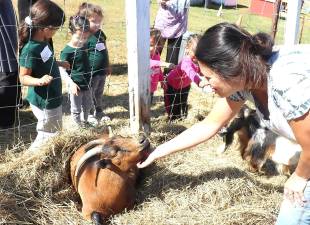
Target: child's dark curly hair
191,43
78,23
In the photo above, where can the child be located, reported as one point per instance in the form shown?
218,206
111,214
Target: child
155,62
38,67
75,52
179,81
98,56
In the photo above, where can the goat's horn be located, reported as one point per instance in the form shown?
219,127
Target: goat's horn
88,146
95,151
93,144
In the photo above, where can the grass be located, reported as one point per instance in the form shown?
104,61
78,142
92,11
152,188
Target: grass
192,187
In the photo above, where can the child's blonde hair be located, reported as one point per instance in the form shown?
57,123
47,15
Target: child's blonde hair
191,43
88,9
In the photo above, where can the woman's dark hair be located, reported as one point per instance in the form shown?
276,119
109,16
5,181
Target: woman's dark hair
231,51
44,13
78,23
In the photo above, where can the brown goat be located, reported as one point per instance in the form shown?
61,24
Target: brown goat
104,173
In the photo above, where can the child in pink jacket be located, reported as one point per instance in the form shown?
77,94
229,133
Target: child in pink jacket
179,81
155,63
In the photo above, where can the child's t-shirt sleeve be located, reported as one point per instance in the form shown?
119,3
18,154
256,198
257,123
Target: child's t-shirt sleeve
27,59
64,56
154,63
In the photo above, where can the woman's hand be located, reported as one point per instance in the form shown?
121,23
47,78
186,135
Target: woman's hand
149,160
294,189
45,80
159,152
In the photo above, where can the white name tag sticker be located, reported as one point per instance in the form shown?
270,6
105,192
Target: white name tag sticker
100,46
46,54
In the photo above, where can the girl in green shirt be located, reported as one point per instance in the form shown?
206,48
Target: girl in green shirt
98,57
75,52
38,67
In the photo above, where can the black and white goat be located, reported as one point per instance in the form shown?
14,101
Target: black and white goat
264,150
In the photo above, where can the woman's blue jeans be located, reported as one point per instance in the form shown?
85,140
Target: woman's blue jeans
292,214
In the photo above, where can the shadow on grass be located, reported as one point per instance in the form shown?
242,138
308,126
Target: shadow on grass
119,69
23,132
217,6
163,180
66,104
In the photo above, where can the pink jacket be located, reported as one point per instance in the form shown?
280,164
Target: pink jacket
157,74
172,19
184,73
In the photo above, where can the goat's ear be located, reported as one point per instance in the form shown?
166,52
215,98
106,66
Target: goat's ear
107,133
104,163
106,130
110,132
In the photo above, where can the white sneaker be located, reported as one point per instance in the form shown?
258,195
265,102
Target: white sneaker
92,120
105,119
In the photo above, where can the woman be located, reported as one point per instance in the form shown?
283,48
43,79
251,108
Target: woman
171,19
239,67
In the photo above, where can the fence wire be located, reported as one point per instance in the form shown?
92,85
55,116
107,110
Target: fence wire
115,91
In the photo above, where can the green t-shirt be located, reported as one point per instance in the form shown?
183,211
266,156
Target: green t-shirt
98,53
39,57
80,69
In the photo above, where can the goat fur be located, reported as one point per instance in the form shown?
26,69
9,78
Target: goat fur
257,144
106,181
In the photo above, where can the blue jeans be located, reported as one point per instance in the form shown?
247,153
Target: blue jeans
295,215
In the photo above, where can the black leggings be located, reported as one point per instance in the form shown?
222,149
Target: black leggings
176,102
9,98
173,49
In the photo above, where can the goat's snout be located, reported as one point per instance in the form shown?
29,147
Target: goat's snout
144,142
141,139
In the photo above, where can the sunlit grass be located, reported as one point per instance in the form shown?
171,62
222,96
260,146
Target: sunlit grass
198,187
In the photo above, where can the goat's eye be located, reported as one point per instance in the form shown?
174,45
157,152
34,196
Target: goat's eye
121,149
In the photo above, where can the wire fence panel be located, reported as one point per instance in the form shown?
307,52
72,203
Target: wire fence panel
203,14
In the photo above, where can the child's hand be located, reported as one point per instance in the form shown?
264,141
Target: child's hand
74,89
205,86
203,83
163,85
109,70
45,80
64,64
170,66
167,65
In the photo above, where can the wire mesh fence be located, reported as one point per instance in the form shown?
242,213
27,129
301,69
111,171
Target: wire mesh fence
255,16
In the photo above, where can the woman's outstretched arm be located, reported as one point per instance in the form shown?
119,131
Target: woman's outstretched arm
222,112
